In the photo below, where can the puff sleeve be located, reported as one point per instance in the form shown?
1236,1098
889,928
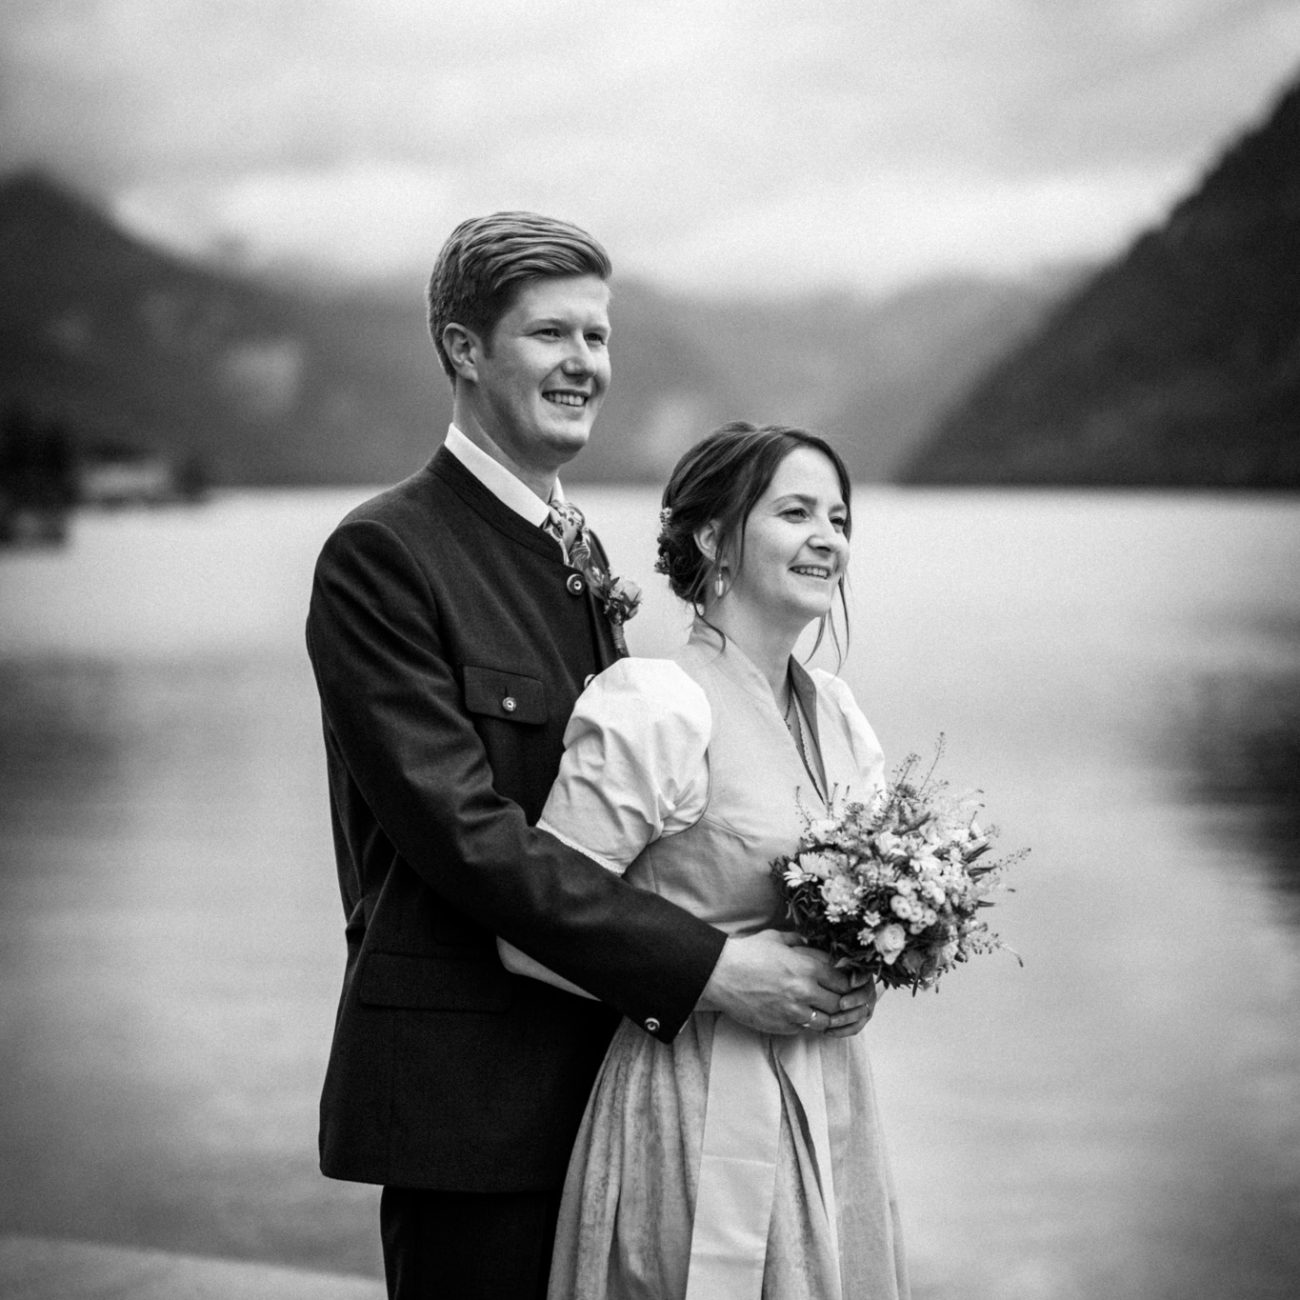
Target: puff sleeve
634,769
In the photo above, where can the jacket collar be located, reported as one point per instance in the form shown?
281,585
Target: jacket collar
498,480
448,470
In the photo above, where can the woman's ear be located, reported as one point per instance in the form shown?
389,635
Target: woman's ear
706,538
462,349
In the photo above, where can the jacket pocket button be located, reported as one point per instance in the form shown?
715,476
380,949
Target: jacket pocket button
508,703
575,584
652,1025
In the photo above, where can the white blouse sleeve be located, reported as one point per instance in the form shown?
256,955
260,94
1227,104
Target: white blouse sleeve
868,755
634,769
634,766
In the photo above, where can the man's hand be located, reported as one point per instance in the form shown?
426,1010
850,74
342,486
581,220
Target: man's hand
771,983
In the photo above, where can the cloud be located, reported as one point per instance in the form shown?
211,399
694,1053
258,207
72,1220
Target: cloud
707,139
889,229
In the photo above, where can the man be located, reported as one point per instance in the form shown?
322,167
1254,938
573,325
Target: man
450,637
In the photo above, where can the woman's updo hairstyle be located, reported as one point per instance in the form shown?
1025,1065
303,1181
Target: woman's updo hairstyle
719,481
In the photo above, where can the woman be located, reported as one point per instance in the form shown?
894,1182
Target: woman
728,1163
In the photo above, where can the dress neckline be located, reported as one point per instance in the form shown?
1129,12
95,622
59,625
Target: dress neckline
741,669
806,744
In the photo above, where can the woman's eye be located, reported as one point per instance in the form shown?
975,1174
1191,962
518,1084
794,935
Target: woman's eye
839,522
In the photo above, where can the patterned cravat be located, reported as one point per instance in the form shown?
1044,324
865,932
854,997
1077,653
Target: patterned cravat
569,528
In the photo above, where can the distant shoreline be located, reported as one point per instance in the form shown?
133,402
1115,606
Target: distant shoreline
1246,747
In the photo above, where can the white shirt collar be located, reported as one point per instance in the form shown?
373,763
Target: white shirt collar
498,480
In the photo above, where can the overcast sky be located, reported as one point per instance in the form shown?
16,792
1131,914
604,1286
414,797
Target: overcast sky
746,145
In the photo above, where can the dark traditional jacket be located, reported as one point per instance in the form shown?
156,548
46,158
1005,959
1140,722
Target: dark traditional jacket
449,641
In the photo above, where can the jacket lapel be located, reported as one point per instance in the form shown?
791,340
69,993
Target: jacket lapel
498,516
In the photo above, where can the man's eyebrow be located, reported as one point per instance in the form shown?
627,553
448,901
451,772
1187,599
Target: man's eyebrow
535,321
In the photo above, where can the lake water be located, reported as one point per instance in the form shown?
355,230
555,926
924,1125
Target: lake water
1121,1118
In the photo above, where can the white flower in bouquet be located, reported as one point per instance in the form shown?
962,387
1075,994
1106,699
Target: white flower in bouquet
889,941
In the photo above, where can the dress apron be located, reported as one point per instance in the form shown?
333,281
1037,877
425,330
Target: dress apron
748,1074
733,1208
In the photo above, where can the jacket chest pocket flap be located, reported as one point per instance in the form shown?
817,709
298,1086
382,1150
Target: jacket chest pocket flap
513,697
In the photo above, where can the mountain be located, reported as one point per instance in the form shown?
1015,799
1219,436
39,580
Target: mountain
272,383
871,374
121,342
919,350
1178,365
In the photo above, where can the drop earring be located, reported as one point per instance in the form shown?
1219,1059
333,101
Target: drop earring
720,584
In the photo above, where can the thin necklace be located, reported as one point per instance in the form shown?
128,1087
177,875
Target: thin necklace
794,724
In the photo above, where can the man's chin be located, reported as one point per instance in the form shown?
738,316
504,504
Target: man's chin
568,441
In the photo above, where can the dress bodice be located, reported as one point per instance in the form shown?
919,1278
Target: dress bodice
688,764
719,867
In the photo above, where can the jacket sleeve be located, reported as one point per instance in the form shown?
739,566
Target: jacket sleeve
394,707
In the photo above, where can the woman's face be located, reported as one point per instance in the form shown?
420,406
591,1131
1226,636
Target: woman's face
795,549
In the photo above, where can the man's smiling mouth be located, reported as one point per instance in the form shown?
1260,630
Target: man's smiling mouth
567,399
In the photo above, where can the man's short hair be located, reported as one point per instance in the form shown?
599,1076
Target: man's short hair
487,260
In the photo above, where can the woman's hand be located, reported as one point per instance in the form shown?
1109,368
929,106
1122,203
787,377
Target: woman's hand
852,1019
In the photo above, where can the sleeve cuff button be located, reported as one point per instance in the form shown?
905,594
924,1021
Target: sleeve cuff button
652,1025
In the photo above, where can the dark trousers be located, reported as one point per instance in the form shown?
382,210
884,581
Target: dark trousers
467,1246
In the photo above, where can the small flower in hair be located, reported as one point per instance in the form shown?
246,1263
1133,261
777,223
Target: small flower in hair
662,564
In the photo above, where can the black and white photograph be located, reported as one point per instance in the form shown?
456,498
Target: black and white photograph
650,651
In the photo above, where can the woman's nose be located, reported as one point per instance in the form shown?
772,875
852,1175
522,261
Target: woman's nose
828,539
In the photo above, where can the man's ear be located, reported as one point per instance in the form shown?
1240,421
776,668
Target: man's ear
463,349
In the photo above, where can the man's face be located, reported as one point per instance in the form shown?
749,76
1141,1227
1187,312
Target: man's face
544,371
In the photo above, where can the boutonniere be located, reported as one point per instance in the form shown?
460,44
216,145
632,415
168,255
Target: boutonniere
620,598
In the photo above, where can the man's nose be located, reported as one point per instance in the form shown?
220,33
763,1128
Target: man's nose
580,360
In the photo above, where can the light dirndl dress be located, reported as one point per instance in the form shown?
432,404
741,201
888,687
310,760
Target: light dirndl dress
727,1164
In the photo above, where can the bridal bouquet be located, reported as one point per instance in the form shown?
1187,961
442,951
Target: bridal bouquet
895,887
